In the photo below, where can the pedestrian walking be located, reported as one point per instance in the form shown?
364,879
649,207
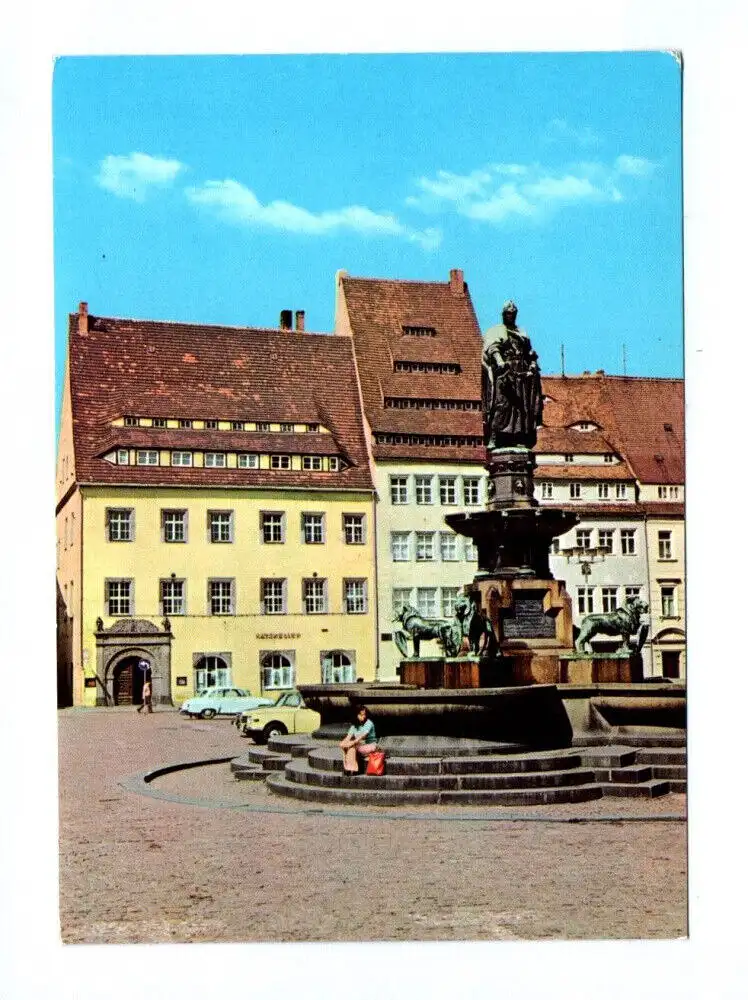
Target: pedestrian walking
146,697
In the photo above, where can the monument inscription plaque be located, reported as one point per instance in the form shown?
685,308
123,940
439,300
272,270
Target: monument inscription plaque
527,619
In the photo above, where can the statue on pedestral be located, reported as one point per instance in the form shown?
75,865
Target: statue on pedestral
512,394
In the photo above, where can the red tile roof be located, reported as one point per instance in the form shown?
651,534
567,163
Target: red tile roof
157,369
632,414
608,473
378,310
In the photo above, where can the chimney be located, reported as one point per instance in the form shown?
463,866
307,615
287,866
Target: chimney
456,282
285,319
83,319
300,320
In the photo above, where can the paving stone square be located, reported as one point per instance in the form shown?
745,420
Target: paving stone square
253,867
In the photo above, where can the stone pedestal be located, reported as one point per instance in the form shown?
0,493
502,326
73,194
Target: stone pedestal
510,478
445,672
600,668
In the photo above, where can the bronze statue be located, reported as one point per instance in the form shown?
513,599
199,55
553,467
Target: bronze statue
625,621
512,394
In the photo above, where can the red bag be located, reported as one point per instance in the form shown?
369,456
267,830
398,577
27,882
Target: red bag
375,762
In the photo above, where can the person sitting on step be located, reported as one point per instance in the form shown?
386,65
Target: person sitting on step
360,740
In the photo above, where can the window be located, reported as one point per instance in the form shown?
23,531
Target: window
286,428
211,425
449,596
312,428
280,461
425,546
353,527
603,491
605,539
628,542
119,597
419,331
337,668
400,546
221,597
673,492
277,671
131,421
184,423
668,602
237,425
123,456
172,597
221,525
662,492
568,458
555,546
181,458
273,528
245,461
424,492
608,458
215,460
159,421
471,491
263,425
471,551
312,462
621,491
584,538
119,525
401,596
147,457
313,526
665,544
334,464
631,592
575,491
174,525
426,601
610,599
448,546
273,597
315,596
355,597
211,672
585,600
448,490
546,491
399,489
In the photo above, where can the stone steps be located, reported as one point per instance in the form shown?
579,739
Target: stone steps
364,794
309,769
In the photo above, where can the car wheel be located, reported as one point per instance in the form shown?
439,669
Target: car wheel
273,729
207,713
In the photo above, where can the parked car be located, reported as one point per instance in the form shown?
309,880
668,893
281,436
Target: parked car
221,701
288,714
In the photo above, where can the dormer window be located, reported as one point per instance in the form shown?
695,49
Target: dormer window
237,425
608,458
428,367
584,425
123,457
568,458
419,331
334,464
286,428
131,421
185,423
211,425
263,425
312,428
159,421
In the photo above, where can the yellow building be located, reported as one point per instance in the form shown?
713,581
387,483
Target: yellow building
215,510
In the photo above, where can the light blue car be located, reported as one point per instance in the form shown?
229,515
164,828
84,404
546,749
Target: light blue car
221,701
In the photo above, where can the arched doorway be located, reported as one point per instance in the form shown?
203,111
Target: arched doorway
127,680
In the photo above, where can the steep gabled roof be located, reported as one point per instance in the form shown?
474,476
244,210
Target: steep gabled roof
157,369
380,315
642,418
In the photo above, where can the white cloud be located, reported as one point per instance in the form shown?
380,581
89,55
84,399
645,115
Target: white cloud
533,192
132,175
634,166
235,203
559,129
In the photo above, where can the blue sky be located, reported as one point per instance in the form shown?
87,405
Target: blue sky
224,189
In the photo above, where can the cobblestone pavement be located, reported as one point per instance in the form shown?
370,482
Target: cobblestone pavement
135,868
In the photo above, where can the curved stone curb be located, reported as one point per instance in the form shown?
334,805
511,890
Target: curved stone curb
140,784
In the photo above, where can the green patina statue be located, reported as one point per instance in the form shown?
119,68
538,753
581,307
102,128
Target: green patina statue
511,390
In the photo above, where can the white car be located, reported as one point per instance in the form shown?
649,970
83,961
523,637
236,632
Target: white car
221,701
